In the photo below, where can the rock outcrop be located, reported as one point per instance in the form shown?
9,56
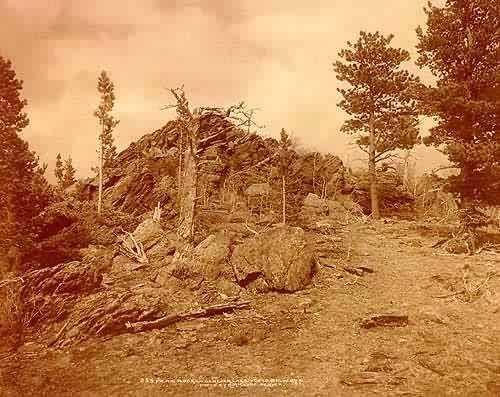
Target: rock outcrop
145,173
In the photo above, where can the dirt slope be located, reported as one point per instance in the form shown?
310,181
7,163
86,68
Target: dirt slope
449,348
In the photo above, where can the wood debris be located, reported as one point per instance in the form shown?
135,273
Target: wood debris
385,320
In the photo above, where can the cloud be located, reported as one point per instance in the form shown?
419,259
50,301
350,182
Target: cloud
276,55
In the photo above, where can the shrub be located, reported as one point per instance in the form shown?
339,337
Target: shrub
66,227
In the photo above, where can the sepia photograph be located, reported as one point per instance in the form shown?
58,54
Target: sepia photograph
249,198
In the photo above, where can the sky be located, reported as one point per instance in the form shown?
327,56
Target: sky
275,55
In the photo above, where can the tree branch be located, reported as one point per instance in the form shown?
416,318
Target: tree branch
387,157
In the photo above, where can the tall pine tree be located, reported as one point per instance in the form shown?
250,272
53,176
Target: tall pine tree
107,150
24,190
379,99
59,170
69,173
461,47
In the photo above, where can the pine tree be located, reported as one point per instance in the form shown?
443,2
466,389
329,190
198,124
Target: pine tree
69,173
22,195
380,100
59,170
461,47
107,150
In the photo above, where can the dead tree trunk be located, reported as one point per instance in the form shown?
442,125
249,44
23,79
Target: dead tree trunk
285,144
314,174
180,148
188,193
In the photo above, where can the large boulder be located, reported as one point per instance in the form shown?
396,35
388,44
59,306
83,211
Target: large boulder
347,202
281,259
124,265
314,205
214,249
148,233
208,261
211,257
337,211
258,190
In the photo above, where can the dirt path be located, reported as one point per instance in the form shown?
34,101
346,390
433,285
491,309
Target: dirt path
449,348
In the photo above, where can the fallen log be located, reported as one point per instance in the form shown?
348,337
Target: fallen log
385,320
162,322
358,270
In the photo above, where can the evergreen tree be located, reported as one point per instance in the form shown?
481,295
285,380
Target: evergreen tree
107,150
59,170
69,173
461,47
380,101
24,190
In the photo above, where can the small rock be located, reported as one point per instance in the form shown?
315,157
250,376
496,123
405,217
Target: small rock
228,288
122,264
148,233
431,314
314,205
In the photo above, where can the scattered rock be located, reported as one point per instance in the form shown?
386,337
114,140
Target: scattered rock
379,362
315,205
100,257
190,326
258,285
228,288
258,189
148,233
122,264
162,251
207,261
211,256
282,256
362,378
336,210
326,262
431,314
358,270
324,225
167,281
347,202
240,339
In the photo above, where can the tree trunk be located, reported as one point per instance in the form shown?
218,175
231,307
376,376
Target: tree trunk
99,200
188,194
179,171
372,172
314,174
284,198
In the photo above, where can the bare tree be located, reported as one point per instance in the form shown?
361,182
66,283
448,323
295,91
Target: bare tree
189,124
285,144
192,143
244,118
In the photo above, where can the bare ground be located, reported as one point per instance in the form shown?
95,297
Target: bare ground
311,342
